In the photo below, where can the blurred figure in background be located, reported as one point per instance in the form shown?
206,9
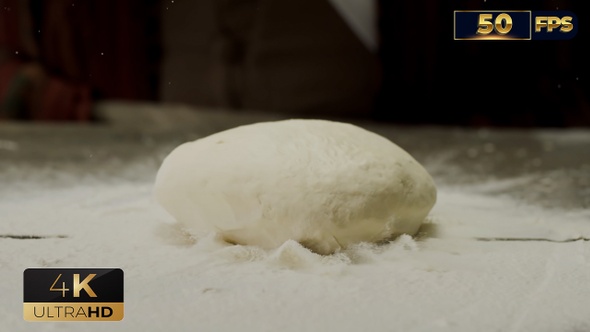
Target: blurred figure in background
28,91
294,56
58,57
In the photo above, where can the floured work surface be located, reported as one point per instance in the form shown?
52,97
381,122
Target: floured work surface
505,247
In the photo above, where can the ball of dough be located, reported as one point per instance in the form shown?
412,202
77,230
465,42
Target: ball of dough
322,183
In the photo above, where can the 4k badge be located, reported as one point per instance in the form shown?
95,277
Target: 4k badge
73,294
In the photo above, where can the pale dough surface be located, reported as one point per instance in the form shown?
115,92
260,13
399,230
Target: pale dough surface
322,183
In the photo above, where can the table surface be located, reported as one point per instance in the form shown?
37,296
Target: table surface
506,247
553,164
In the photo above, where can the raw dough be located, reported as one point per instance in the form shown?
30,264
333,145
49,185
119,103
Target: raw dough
322,183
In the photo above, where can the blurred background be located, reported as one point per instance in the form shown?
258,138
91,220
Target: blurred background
379,60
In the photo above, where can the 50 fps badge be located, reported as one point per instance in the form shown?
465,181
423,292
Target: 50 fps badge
72,294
